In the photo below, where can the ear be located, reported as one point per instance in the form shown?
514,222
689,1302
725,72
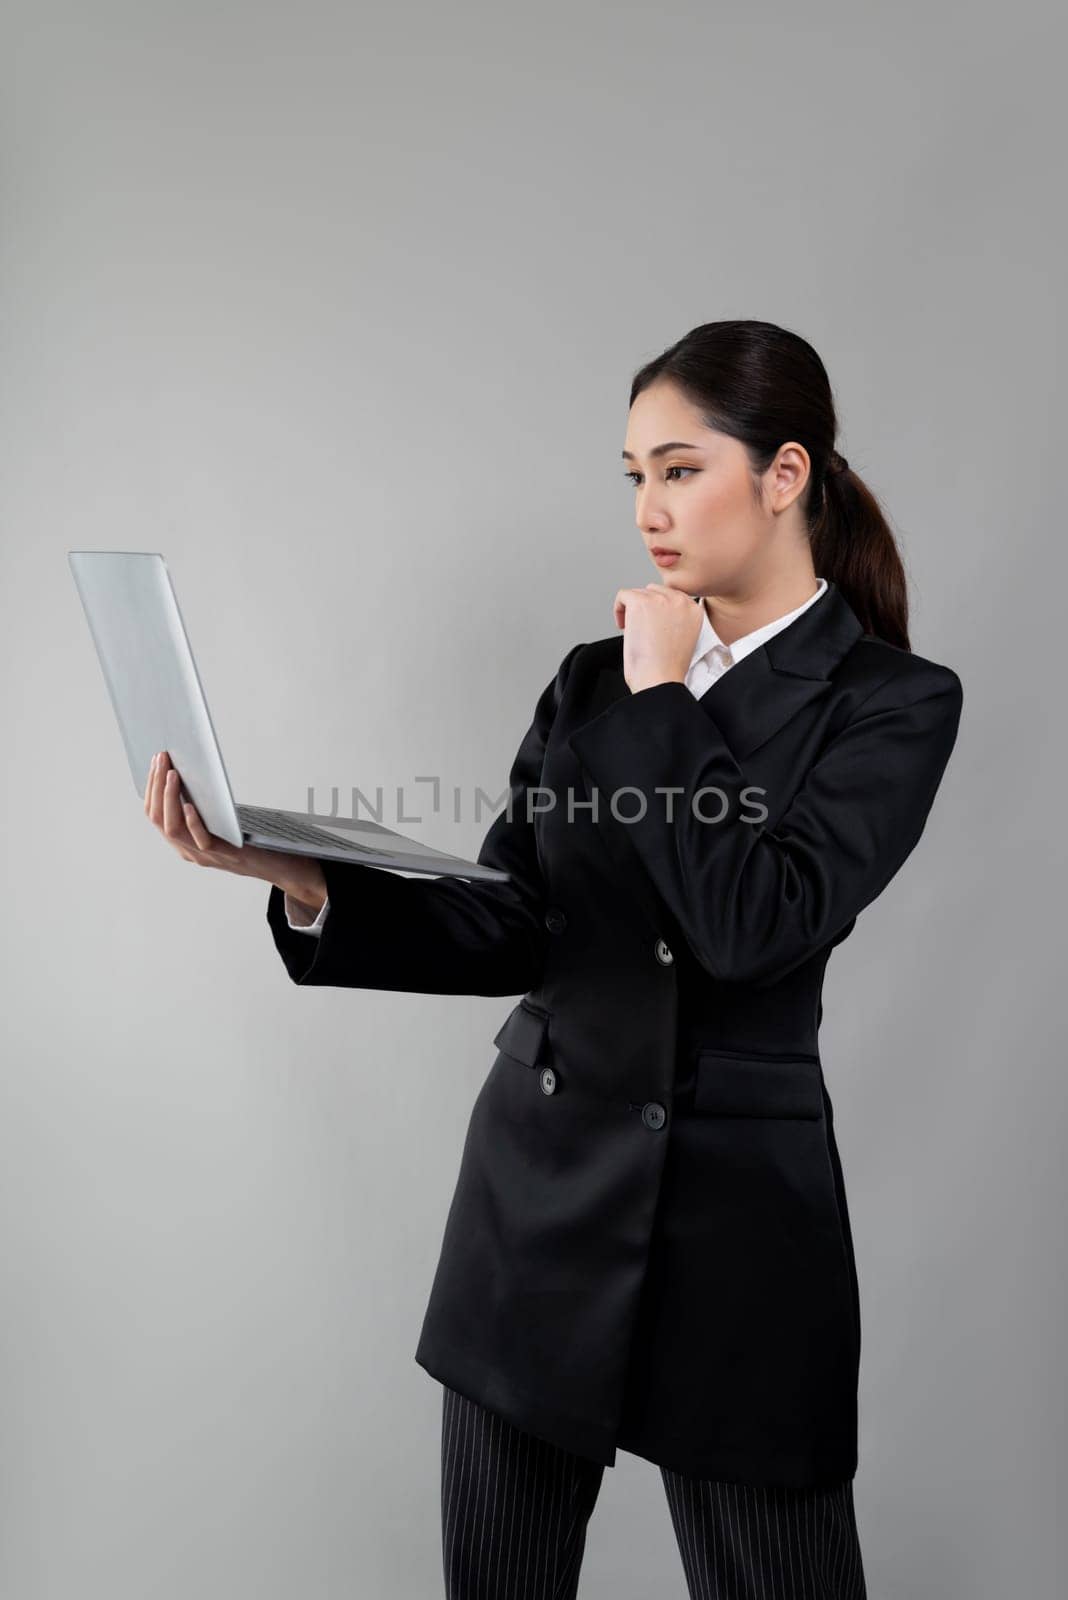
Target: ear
788,474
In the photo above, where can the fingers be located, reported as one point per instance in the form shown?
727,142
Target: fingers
625,597
182,825
202,838
164,806
151,795
173,822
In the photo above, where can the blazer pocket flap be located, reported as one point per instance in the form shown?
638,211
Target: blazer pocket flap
523,1034
736,1085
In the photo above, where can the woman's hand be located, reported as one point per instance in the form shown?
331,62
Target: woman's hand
660,628
182,827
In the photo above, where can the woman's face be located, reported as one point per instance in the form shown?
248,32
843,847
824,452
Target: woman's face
699,497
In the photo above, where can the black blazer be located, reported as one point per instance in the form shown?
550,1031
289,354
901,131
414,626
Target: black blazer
649,1244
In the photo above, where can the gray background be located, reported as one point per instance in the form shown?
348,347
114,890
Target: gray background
338,310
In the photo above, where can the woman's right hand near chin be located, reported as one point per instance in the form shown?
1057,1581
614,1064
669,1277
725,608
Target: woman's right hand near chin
181,825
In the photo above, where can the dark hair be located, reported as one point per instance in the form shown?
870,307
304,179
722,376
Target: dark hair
764,385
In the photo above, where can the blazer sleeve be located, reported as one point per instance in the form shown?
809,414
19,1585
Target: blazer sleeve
441,935
754,902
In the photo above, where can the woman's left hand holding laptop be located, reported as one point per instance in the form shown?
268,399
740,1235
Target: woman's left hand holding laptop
300,877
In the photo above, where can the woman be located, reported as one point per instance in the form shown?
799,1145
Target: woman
649,1245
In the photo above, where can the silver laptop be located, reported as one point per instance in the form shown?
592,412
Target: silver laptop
148,666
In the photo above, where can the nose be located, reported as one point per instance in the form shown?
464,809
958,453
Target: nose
649,517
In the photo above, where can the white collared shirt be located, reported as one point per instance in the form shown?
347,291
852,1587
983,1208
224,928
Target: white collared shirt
710,660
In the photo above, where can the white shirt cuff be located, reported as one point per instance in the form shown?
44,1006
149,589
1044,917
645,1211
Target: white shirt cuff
299,918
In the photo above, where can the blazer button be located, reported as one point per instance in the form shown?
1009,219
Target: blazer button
555,920
653,1114
548,1080
663,954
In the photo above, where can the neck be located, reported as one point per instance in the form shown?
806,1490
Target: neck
735,615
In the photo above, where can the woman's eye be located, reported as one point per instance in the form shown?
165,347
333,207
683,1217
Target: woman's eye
634,476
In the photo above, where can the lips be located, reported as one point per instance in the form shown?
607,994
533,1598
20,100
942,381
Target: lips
659,550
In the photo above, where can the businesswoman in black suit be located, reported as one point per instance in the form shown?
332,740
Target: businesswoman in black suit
649,1247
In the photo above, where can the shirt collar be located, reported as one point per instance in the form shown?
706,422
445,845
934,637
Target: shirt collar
708,637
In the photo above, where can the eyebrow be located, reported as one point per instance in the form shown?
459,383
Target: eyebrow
662,449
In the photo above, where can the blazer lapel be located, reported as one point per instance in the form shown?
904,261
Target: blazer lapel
750,702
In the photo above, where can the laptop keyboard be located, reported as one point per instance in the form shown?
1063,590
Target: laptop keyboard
260,819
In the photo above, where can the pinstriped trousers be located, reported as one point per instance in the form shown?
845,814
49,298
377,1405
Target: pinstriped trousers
514,1511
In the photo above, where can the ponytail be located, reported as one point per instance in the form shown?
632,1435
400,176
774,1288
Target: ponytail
853,547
